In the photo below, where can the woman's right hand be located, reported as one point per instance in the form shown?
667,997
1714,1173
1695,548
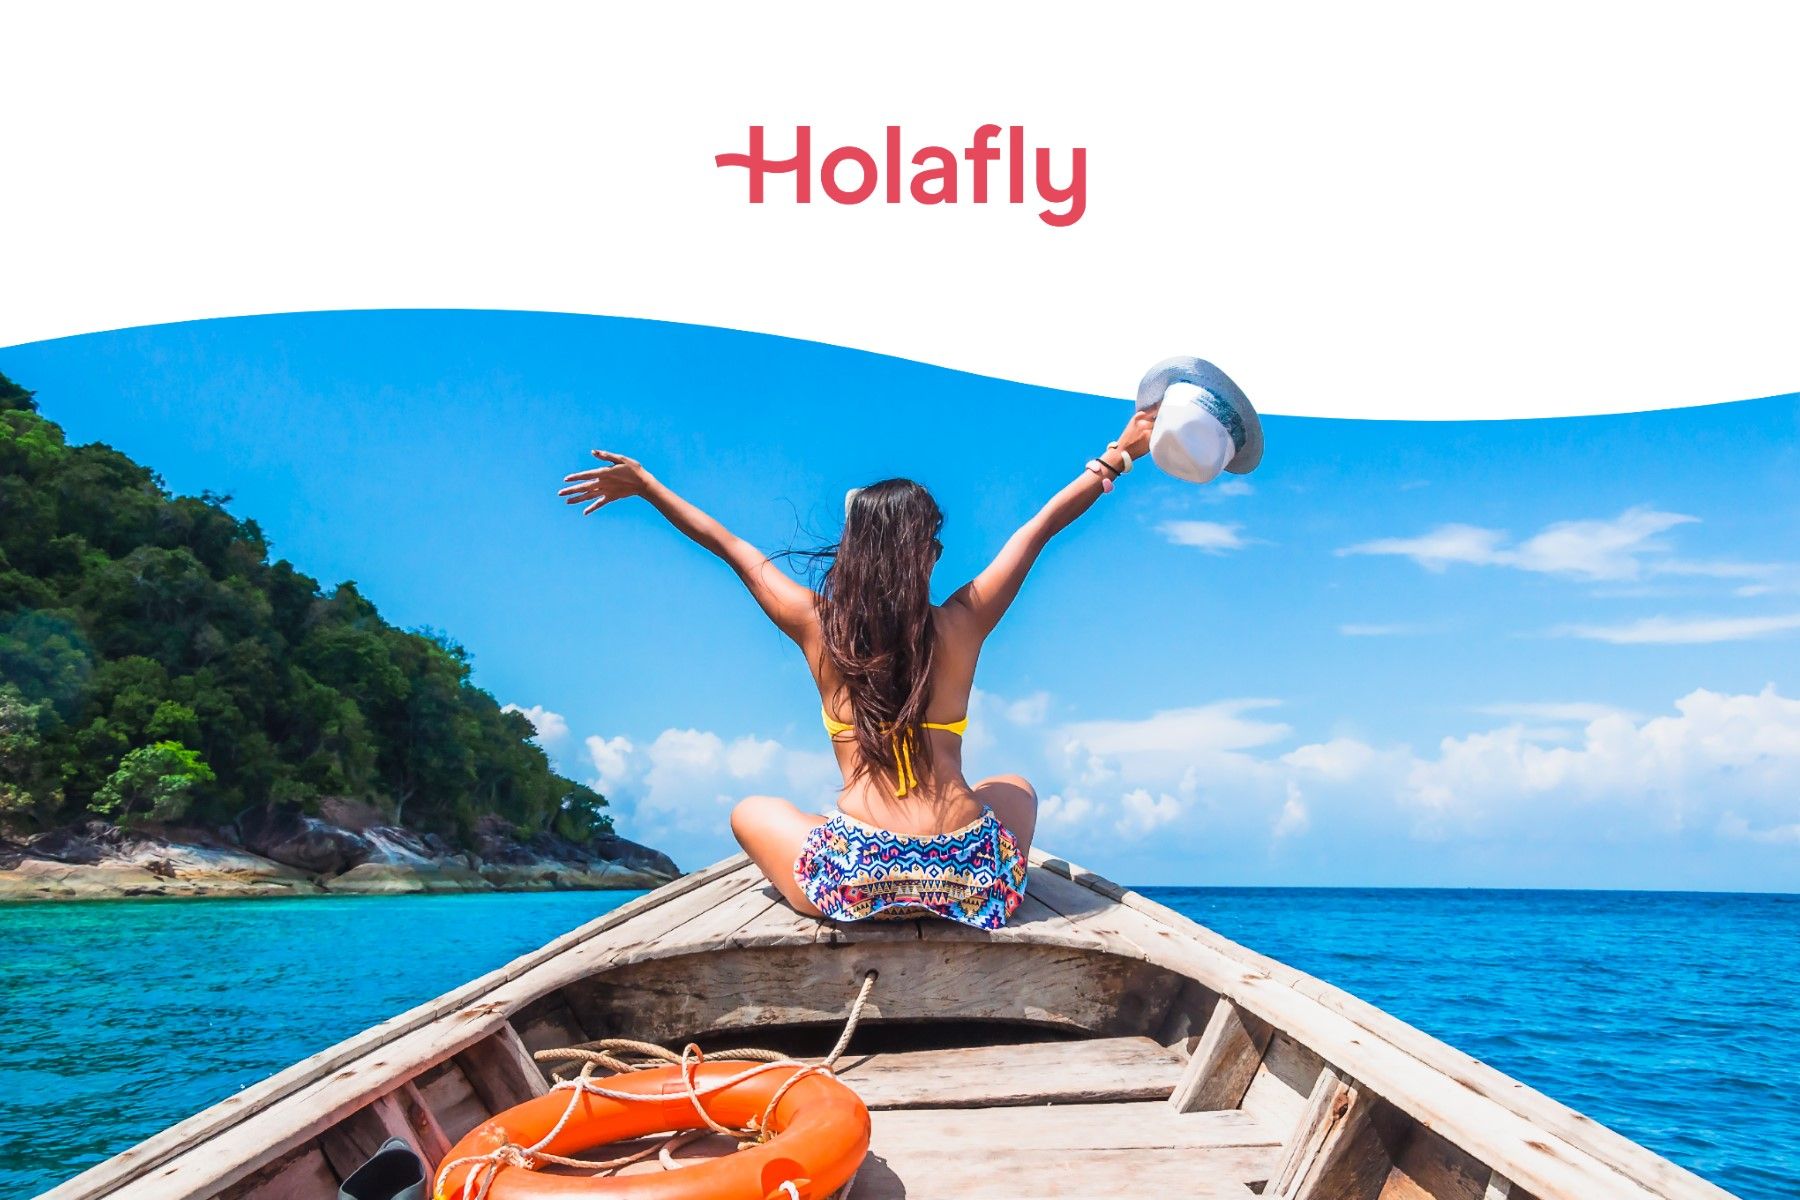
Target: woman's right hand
599,487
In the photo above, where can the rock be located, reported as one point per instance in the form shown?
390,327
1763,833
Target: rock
638,857
306,843
141,865
349,847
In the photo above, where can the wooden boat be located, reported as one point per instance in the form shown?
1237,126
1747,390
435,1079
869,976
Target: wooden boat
1101,1045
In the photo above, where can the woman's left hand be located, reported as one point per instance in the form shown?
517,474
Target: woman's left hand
599,487
1135,438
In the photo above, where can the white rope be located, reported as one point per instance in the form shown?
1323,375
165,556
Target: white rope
592,1054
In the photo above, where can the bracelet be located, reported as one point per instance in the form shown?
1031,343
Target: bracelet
1094,465
1124,454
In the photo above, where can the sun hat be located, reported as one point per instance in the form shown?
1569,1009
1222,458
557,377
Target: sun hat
1205,425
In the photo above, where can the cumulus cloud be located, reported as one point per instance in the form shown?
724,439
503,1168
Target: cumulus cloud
1624,548
678,789
551,727
1214,537
1683,631
1141,813
1716,752
612,759
1222,785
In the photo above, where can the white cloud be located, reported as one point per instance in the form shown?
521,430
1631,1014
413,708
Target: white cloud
676,792
1211,536
1683,631
612,759
1397,629
1338,760
1442,546
1059,812
1716,749
551,727
1218,726
1576,710
1142,813
1235,486
1294,819
1208,791
1622,548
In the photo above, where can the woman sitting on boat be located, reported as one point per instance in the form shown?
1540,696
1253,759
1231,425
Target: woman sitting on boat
911,836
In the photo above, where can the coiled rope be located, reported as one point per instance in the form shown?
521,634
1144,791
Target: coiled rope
623,1055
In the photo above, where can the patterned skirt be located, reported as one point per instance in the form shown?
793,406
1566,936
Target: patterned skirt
854,871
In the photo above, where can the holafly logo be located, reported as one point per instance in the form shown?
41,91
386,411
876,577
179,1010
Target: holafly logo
851,175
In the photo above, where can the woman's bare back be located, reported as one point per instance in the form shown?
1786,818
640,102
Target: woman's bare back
942,799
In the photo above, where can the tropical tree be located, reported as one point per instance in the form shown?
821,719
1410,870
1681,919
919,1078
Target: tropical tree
155,782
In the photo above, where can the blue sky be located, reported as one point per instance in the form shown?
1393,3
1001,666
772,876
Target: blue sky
1532,653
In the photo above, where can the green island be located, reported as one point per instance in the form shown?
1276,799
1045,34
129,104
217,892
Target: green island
181,716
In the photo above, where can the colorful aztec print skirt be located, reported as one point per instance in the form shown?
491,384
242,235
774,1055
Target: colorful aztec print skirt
855,872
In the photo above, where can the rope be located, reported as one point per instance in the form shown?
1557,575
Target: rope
609,1053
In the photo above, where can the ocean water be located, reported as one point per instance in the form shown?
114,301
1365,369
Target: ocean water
1672,1018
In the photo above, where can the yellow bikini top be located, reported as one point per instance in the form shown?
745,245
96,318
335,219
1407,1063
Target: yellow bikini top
904,777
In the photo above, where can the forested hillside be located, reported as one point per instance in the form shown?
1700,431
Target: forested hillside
156,666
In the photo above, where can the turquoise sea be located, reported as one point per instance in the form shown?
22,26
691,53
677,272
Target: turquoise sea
1671,1017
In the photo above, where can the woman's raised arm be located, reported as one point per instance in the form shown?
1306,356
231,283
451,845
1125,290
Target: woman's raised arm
788,603
986,597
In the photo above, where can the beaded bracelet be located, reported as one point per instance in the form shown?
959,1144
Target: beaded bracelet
1094,465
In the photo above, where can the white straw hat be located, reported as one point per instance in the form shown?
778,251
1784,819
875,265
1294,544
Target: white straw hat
1206,424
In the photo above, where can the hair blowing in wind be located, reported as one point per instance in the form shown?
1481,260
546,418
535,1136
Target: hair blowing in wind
875,614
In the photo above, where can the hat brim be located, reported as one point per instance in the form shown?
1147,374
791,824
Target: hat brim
1230,405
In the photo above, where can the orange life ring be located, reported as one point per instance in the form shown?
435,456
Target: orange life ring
821,1134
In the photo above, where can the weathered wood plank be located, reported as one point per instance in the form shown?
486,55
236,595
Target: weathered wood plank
356,1138
451,1098
302,1175
429,1137
1429,1167
1302,1145
735,992
1143,1125
1343,1147
1282,1082
549,1024
1084,910
717,927
1126,1068
845,933
1002,1172
1219,1073
502,1071
102,1179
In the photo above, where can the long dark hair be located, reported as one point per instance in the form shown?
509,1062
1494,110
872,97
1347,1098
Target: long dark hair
875,613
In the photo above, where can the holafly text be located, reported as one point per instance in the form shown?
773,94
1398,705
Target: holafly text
939,174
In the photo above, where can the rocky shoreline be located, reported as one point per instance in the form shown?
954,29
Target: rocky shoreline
346,849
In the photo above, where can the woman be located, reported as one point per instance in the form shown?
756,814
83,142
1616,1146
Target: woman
911,835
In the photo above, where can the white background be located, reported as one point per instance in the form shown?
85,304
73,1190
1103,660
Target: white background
1388,210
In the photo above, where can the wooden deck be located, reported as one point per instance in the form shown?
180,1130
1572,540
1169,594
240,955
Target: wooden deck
1100,1045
